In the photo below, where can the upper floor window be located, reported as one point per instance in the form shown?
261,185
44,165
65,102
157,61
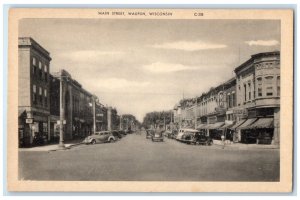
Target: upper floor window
34,93
245,92
249,91
259,87
269,85
34,61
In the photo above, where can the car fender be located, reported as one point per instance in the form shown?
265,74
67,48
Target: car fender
111,137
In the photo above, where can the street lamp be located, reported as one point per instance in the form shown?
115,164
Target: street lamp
62,110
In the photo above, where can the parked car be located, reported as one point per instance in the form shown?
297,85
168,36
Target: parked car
122,132
196,138
149,133
182,132
100,137
173,134
158,136
117,134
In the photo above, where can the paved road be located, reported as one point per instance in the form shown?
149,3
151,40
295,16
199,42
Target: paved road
135,158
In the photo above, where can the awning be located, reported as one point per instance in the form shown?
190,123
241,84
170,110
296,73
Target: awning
262,123
200,126
247,123
226,126
216,125
237,124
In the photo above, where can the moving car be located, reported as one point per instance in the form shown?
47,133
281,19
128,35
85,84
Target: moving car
100,137
158,136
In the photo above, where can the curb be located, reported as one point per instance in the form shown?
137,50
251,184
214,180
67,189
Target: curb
248,147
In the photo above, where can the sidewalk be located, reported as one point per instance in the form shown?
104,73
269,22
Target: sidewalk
242,146
54,147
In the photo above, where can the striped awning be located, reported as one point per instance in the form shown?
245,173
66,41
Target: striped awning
247,123
200,126
226,126
262,123
237,124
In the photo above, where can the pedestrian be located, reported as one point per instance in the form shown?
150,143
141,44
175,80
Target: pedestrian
223,140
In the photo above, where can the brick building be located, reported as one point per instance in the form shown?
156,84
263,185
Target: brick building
33,91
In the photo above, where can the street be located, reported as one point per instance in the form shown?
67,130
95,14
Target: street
135,158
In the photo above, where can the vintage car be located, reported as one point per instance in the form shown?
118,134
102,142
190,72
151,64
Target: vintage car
149,133
183,132
117,134
196,138
100,137
158,136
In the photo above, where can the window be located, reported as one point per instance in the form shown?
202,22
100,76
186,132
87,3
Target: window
34,61
269,85
278,85
245,92
249,86
269,91
46,97
45,71
259,87
34,93
41,95
233,100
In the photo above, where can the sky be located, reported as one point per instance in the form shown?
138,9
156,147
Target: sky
144,65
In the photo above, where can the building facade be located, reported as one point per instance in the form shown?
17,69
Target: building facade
33,91
245,108
258,98
77,106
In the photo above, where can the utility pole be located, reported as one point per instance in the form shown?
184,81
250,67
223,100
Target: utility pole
62,114
94,114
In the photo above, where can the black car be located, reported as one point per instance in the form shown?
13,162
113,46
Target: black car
117,134
197,138
149,133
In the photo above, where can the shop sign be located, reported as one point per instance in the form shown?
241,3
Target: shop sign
241,112
29,120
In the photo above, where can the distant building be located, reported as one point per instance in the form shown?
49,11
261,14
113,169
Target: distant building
33,91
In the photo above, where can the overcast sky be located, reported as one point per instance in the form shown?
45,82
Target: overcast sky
140,66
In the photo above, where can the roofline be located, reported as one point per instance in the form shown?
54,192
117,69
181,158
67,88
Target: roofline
35,45
255,56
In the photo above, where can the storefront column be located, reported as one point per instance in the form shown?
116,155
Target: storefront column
276,134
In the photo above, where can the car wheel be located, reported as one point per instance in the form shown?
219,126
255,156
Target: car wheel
93,142
197,143
111,140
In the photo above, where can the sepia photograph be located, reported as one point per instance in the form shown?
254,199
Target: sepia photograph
151,96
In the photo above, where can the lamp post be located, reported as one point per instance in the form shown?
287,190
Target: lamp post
62,113
94,115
